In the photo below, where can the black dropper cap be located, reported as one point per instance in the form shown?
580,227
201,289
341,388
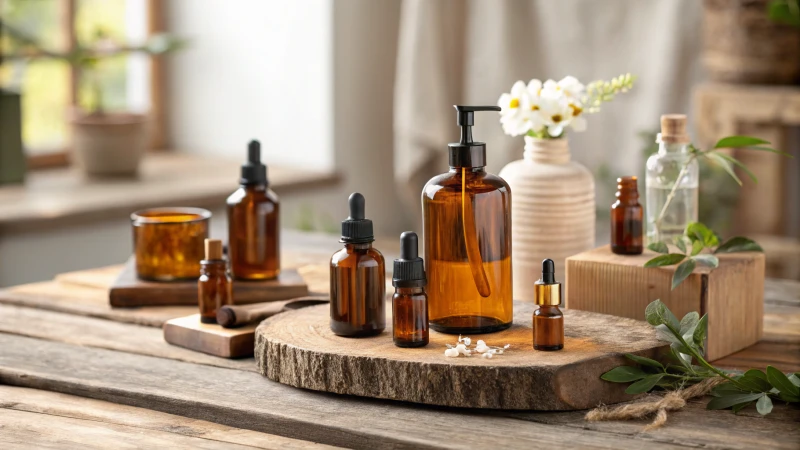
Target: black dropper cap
468,153
253,172
548,272
356,229
409,269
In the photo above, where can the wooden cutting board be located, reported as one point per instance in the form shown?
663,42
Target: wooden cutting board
129,291
210,338
297,348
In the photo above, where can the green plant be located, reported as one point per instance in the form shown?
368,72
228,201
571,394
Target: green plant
698,246
86,57
687,346
785,11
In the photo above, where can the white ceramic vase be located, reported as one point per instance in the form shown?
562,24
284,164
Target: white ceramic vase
552,211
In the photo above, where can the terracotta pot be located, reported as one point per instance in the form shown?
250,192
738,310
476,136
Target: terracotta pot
109,144
742,45
552,211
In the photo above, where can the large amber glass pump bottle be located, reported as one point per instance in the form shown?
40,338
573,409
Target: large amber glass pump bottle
467,234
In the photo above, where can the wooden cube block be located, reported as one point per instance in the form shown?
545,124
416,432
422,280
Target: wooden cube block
732,295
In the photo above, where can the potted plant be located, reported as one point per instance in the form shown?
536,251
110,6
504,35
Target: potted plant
104,143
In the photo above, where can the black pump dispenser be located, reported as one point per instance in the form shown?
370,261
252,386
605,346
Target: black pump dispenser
548,272
253,171
468,153
356,229
409,269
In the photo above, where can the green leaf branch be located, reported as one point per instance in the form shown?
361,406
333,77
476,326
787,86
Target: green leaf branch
602,91
699,245
687,346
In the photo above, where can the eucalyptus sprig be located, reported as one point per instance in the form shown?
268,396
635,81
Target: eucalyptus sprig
698,245
601,91
678,370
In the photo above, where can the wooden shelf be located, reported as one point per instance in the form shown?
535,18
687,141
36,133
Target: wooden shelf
56,197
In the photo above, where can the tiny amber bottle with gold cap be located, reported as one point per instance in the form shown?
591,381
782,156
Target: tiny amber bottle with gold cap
626,219
548,321
214,288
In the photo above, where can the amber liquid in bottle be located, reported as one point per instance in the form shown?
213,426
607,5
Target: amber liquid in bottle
214,287
627,217
548,328
358,291
467,232
410,316
254,233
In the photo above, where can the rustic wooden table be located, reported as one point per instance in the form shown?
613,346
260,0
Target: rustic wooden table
76,373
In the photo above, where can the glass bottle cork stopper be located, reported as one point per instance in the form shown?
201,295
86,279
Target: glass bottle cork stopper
213,249
547,291
673,129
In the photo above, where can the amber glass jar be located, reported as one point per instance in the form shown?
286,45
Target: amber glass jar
358,291
254,233
168,242
214,287
627,217
467,229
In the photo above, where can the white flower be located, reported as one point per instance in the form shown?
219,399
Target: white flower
467,341
451,353
572,88
481,347
488,355
462,349
515,110
555,111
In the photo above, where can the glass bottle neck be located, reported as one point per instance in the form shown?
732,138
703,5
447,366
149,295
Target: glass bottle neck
673,148
409,290
213,267
455,169
364,246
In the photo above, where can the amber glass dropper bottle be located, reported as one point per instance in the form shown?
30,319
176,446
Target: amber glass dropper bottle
627,216
214,288
548,321
358,278
410,302
253,222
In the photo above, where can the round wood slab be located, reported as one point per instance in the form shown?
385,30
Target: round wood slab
298,348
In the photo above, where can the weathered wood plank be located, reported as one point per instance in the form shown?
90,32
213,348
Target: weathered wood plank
34,418
246,400
92,332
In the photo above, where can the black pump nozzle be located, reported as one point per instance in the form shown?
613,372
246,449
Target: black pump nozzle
356,229
253,171
466,152
409,269
548,272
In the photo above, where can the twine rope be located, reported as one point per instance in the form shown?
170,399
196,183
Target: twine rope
673,401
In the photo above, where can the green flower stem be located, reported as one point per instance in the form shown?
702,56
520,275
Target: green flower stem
705,363
671,196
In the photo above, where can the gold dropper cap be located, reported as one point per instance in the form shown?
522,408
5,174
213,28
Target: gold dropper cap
673,129
213,249
546,290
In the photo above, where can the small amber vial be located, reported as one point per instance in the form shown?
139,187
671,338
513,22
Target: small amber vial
627,217
358,278
548,321
254,223
214,287
168,242
409,302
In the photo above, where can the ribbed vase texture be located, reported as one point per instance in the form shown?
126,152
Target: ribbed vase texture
552,211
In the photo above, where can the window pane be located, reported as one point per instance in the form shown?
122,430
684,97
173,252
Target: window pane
44,83
98,23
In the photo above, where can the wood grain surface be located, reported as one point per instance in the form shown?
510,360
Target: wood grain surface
41,419
130,291
247,400
298,348
210,338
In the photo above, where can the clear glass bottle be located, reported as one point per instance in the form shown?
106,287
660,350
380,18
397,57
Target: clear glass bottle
358,278
467,240
409,302
214,287
671,185
254,223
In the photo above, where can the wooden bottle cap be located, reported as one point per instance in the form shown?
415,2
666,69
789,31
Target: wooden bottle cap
213,249
673,128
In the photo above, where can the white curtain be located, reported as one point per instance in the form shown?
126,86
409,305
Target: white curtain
454,51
